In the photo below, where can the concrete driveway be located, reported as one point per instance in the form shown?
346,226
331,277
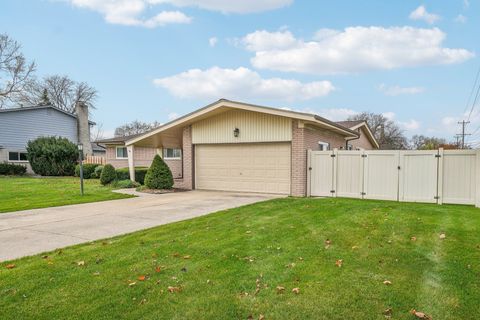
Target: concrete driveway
31,232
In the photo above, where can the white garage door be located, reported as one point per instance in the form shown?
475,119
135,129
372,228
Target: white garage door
243,167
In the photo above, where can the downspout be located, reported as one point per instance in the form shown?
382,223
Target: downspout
348,140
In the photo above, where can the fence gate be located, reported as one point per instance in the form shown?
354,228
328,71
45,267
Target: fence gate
418,176
349,182
381,175
321,173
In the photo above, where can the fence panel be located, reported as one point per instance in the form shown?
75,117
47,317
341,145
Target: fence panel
381,175
321,180
349,176
418,176
95,160
458,185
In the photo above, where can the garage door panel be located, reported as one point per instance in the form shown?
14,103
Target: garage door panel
244,167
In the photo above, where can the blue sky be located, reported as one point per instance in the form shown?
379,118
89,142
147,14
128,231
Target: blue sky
414,61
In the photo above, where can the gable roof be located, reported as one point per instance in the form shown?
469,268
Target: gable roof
350,123
40,107
230,104
357,124
117,140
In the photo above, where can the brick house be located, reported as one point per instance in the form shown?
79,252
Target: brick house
235,146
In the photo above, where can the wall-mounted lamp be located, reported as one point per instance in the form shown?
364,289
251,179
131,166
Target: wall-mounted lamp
236,132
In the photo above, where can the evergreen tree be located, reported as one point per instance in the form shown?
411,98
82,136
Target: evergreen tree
159,175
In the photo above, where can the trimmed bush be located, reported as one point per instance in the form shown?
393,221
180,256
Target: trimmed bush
12,169
97,172
88,170
140,172
108,174
52,156
123,184
159,175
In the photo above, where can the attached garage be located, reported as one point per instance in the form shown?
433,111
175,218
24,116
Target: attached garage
249,167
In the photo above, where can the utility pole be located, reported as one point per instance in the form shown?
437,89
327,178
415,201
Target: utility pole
463,134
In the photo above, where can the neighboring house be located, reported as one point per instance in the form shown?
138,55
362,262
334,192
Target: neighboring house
365,141
235,146
20,125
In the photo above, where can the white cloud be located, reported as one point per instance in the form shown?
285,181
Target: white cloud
212,41
129,13
172,116
397,90
229,6
389,115
410,125
421,13
336,114
355,49
241,83
461,18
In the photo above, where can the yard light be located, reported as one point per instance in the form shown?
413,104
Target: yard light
80,155
236,132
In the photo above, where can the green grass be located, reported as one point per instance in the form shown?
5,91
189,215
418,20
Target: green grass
280,243
21,193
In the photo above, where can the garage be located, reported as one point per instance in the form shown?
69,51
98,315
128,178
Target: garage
248,167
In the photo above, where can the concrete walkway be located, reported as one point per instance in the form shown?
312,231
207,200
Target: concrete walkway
31,232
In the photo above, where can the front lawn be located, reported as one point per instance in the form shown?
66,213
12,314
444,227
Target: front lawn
21,193
228,265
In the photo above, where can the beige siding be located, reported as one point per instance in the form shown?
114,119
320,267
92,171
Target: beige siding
254,127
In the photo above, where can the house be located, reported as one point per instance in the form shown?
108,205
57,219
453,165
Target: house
20,125
235,146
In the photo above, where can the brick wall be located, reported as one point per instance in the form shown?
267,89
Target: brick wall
363,142
187,157
314,135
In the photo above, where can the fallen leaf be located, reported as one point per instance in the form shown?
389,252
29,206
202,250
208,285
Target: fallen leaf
10,266
261,317
339,263
173,289
328,242
354,247
186,257
142,278
387,282
296,290
250,317
96,273
442,236
420,315
176,254
413,238
50,262
158,269
280,289
80,263
131,284
388,313
300,258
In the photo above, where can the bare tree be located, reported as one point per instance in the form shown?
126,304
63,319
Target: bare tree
15,72
97,133
60,91
421,142
135,127
388,133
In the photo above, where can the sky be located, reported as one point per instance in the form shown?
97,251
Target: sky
154,60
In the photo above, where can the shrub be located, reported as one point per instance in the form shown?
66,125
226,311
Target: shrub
88,170
97,172
12,169
140,172
123,184
108,174
159,175
52,156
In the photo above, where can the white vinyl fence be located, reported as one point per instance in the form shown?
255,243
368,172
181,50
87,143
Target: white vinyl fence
436,176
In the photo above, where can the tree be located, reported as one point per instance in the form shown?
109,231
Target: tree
421,142
388,133
61,91
159,175
52,156
15,72
135,127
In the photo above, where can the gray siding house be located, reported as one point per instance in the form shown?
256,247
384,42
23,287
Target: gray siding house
20,125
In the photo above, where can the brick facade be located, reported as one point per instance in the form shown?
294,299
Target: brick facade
363,142
187,159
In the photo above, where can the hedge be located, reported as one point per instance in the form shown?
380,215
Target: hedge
108,175
12,169
88,170
159,175
52,156
140,172
97,172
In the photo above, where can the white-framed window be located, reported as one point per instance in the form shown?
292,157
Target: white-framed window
17,156
172,154
323,146
121,152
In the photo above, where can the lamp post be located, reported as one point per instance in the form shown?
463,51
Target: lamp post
80,154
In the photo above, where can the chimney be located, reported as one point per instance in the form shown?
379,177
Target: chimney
83,127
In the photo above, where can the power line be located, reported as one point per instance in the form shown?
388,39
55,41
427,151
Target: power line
471,93
463,134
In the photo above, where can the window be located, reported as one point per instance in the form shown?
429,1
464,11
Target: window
17,156
122,153
323,146
170,153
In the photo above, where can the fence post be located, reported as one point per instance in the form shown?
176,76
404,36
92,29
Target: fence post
334,176
477,178
440,176
309,172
